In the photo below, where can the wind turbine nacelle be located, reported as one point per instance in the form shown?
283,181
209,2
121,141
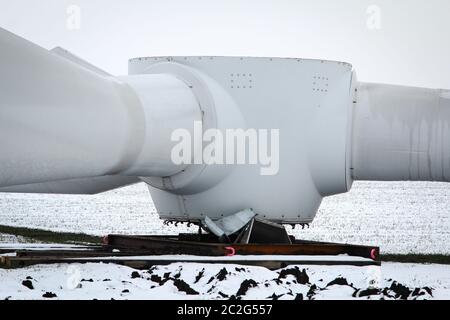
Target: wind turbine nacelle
307,127
309,103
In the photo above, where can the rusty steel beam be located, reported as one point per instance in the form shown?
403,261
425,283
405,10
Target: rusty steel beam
169,245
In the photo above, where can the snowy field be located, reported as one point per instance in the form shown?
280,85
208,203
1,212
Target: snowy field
195,281
400,217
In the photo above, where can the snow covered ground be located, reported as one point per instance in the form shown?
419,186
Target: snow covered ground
215,281
400,217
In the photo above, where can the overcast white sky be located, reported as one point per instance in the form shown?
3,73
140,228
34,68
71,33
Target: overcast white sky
411,47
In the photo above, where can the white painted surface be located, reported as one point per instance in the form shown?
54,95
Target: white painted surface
401,133
60,120
65,120
307,100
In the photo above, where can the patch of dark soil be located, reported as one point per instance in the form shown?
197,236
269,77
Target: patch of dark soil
311,292
245,285
28,284
301,276
222,274
275,297
400,290
199,276
417,292
183,286
387,293
135,275
367,292
49,295
428,290
339,281
158,279
299,296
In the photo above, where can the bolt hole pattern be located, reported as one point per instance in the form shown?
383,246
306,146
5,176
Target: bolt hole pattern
320,84
241,81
